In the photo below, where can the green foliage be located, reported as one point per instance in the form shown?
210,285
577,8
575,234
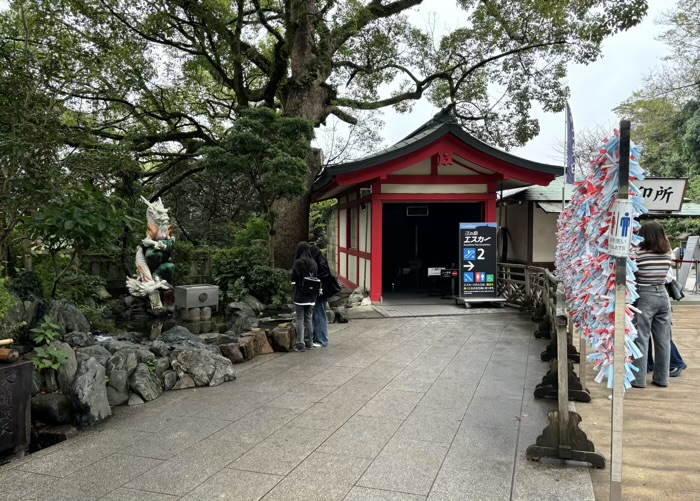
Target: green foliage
27,285
269,150
96,317
46,332
270,285
6,299
678,229
237,290
228,265
48,357
185,256
318,225
81,288
256,228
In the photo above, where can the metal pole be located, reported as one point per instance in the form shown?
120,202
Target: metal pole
620,306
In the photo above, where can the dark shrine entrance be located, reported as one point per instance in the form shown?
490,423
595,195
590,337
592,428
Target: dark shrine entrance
418,236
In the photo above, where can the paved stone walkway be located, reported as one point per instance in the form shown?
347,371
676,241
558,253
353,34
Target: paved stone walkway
437,409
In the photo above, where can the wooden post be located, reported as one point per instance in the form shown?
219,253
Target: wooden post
620,354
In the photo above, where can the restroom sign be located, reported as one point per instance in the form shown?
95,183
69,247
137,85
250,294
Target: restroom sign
621,229
477,253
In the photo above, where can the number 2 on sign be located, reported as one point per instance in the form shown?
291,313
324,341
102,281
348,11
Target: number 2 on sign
481,254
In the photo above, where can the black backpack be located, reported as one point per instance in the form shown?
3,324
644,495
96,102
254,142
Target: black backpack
311,286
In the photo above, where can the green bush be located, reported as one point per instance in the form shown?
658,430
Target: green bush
185,256
257,228
97,320
270,285
27,285
6,299
81,288
228,265
677,229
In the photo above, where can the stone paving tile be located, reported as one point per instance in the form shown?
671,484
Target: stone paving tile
122,494
259,424
314,390
174,477
359,389
418,381
365,494
219,449
326,415
234,485
481,479
494,412
16,484
406,466
431,424
175,439
449,394
551,480
473,443
335,376
238,406
320,477
361,436
391,404
282,452
383,369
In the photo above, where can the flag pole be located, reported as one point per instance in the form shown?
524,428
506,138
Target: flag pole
566,155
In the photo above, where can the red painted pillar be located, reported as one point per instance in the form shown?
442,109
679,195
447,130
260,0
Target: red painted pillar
490,206
376,285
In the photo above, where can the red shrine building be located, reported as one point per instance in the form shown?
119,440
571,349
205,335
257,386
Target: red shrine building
399,210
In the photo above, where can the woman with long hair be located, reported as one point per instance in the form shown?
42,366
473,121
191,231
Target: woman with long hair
320,318
654,259
304,297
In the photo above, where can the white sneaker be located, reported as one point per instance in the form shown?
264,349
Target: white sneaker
318,345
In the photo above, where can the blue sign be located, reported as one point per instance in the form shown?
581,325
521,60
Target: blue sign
478,243
469,277
470,254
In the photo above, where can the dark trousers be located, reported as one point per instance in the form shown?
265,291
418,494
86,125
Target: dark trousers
676,359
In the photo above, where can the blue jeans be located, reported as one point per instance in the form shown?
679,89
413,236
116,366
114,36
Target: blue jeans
654,322
320,323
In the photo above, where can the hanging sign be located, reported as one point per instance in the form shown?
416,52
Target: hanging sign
620,231
662,194
434,272
478,260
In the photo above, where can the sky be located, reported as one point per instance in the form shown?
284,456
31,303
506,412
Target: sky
595,89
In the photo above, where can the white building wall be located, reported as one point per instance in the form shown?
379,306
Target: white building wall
366,229
332,245
544,241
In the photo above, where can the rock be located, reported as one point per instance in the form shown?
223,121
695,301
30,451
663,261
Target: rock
240,317
34,312
219,339
205,368
283,337
114,345
52,435
145,383
52,408
66,372
50,381
161,365
144,356
134,399
192,315
341,315
233,352
37,382
124,360
90,394
159,348
366,302
133,337
248,347
205,313
101,353
330,316
67,316
254,304
79,339
261,344
199,346
177,335
169,380
118,387
184,382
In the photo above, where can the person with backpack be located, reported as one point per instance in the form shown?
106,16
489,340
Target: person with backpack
329,288
307,287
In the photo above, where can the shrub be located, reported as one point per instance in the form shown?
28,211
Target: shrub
185,256
81,288
97,319
46,332
270,285
257,228
228,265
28,286
6,299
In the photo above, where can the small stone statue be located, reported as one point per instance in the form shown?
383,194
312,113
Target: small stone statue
154,257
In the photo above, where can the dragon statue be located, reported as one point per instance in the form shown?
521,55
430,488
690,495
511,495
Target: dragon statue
155,269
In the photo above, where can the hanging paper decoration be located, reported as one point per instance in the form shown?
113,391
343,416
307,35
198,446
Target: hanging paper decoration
584,265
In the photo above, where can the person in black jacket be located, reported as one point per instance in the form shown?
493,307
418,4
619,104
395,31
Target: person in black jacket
320,319
304,298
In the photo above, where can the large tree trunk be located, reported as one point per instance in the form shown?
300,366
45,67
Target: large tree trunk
306,95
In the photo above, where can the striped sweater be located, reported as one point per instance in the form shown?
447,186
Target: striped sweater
653,267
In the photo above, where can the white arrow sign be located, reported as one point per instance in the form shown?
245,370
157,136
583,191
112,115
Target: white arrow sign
469,266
